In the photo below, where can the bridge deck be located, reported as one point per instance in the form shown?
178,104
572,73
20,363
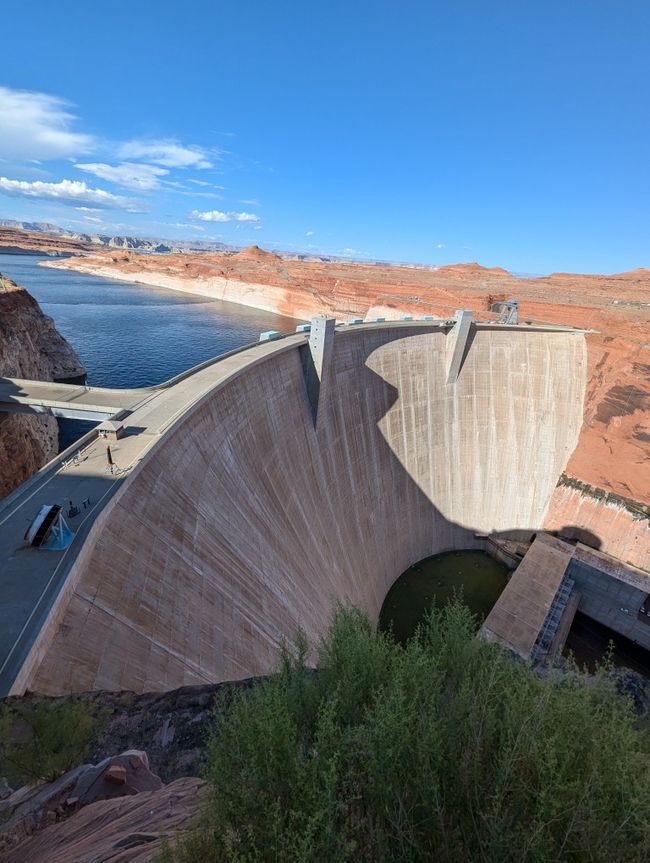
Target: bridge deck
67,400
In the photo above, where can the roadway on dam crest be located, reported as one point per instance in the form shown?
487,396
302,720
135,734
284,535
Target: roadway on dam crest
31,578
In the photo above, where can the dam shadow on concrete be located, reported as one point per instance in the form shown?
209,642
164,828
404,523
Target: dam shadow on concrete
432,531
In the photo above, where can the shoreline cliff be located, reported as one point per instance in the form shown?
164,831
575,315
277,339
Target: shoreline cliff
30,347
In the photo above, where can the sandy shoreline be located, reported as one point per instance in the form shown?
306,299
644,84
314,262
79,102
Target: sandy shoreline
267,298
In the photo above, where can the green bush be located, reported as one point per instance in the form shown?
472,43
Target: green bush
445,749
40,740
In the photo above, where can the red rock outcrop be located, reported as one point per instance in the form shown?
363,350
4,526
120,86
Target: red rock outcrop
123,830
30,347
19,241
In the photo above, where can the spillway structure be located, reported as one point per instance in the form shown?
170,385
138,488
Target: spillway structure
297,474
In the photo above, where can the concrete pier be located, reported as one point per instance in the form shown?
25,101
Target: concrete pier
457,345
318,361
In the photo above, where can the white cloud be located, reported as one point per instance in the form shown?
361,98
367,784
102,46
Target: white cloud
204,183
191,193
70,192
440,246
141,177
186,225
211,216
309,233
251,202
36,126
169,153
220,216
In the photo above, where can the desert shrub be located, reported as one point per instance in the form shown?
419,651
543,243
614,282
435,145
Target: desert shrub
445,749
40,740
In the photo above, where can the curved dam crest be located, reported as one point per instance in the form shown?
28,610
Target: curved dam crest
246,520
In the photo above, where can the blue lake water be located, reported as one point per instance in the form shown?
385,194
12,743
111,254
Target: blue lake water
130,335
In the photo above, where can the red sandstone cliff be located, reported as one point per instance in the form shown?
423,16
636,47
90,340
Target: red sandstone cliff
30,347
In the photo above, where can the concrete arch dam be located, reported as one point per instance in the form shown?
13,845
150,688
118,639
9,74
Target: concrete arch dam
292,483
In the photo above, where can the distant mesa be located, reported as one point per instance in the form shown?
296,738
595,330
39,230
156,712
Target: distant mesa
474,267
638,273
254,253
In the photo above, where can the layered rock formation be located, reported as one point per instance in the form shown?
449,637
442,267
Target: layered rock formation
123,830
30,347
45,239
19,241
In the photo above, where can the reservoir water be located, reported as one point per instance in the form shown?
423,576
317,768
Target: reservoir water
473,575
130,335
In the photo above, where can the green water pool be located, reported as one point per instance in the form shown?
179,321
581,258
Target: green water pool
474,574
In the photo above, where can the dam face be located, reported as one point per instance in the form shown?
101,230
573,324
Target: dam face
249,519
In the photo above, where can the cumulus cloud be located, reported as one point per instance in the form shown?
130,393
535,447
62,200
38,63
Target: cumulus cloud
140,177
170,153
309,233
440,245
220,216
70,192
37,126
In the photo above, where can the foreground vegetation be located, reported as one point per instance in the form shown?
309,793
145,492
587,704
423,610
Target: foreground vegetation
40,740
445,749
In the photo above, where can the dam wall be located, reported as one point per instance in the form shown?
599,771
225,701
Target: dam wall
248,519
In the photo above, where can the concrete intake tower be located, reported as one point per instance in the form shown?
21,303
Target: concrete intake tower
303,471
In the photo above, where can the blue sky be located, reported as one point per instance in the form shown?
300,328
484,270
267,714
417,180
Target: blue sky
511,133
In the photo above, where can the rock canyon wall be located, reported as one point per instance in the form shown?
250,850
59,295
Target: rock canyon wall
30,347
